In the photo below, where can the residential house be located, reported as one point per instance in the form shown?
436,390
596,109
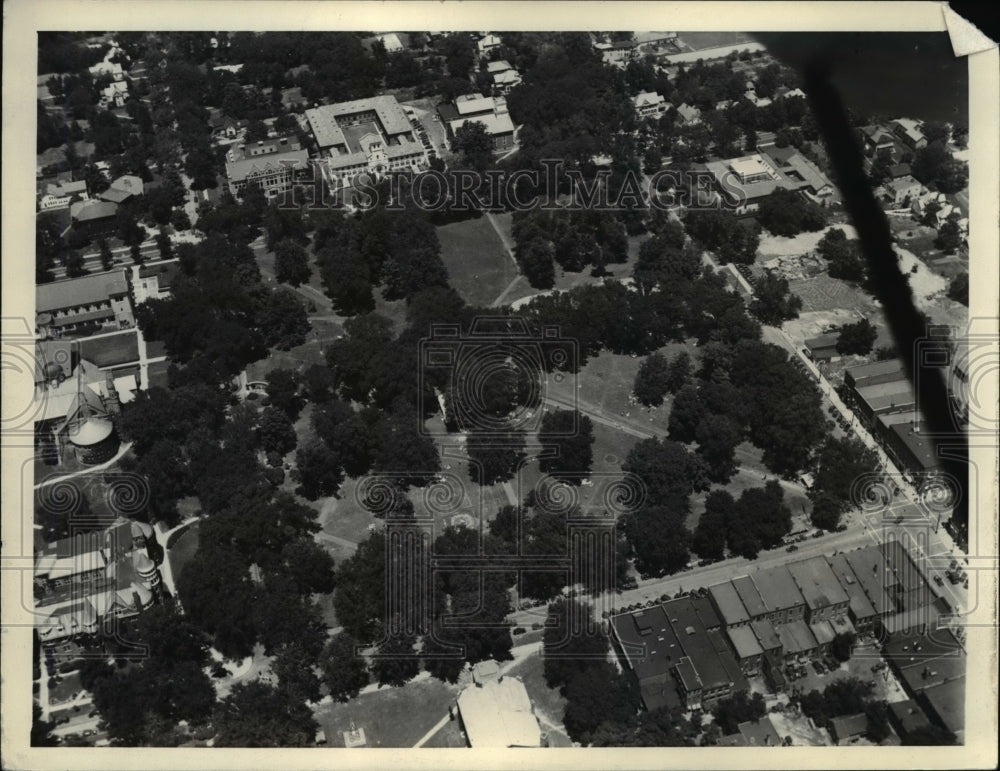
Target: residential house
500,65
689,114
61,194
898,170
909,131
391,42
847,729
94,218
504,81
760,733
487,43
649,104
115,94
900,191
823,347
123,188
876,139
618,52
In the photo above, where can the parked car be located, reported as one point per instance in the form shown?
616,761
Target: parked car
938,580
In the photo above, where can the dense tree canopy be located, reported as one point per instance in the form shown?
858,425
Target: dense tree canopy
857,338
567,440
786,213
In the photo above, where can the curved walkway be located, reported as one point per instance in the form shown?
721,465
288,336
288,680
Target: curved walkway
89,470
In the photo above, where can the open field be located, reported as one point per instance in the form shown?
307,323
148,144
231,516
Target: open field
479,267
696,41
390,717
824,293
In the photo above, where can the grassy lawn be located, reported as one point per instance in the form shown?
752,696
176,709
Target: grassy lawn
479,267
158,374
111,350
65,690
390,717
449,736
183,550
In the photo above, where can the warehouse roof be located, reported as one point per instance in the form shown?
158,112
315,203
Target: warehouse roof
817,582
777,588
766,634
648,641
86,290
861,607
744,642
796,637
750,597
728,601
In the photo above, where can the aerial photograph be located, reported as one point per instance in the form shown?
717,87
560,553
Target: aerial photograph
499,390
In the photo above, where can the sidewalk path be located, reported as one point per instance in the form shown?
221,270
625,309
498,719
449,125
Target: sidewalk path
89,470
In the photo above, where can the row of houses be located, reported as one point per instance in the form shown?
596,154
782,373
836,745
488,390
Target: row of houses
66,193
694,651
907,131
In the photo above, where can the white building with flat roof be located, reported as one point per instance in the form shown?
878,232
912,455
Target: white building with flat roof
498,714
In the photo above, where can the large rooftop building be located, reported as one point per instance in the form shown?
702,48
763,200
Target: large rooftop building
101,299
491,112
497,713
270,164
82,581
825,598
746,180
783,599
365,136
